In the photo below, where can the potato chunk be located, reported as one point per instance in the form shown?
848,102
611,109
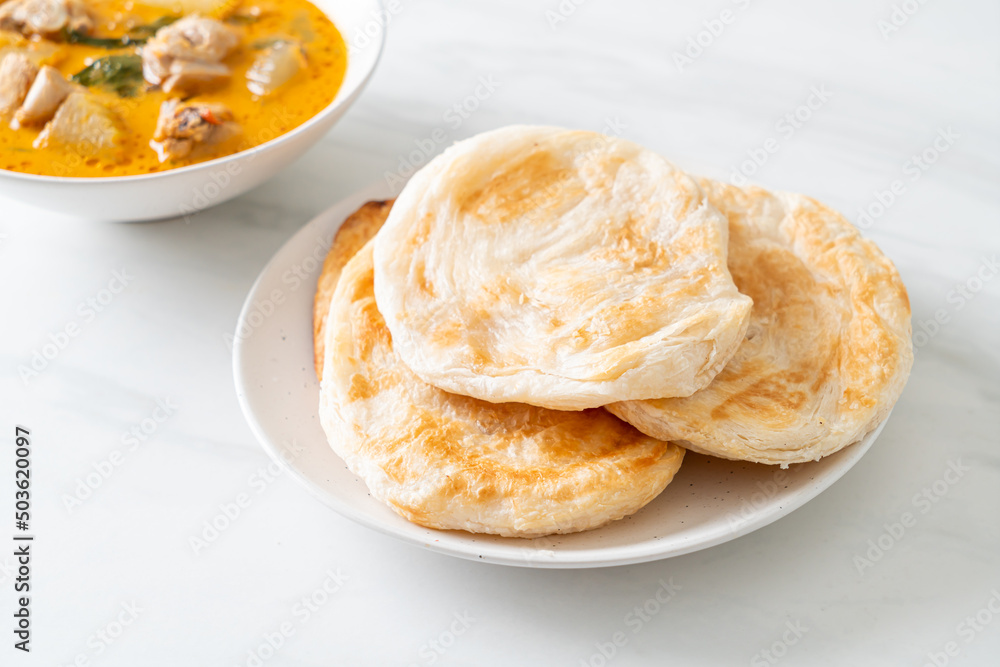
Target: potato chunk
275,66
46,94
17,71
84,125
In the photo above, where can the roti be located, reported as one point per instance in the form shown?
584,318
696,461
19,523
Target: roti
558,268
828,348
355,231
448,461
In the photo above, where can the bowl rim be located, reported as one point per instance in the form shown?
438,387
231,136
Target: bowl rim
344,97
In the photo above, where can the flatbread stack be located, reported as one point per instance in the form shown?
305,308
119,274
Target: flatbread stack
527,340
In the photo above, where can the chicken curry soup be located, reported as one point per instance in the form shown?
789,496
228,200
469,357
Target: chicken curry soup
98,88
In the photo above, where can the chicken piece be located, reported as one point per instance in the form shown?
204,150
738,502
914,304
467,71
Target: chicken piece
182,128
17,71
43,99
193,76
45,17
193,39
84,125
275,66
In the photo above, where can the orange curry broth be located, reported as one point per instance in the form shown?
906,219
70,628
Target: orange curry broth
261,118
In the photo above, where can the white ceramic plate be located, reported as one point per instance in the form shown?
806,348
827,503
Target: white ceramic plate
709,502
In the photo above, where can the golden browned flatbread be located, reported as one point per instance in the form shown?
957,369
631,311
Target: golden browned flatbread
357,229
453,462
828,349
559,268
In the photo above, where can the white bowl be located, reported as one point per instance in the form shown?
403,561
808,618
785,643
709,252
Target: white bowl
187,190
709,502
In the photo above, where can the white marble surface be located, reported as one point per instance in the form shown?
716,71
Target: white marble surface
163,339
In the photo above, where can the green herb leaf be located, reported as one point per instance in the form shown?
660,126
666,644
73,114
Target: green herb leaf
241,18
75,37
136,36
121,74
141,33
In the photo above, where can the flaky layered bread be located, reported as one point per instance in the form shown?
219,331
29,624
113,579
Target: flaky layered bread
828,348
453,462
558,268
355,231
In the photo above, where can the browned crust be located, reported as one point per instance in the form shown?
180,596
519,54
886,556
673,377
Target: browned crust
448,461
358,229
829,345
